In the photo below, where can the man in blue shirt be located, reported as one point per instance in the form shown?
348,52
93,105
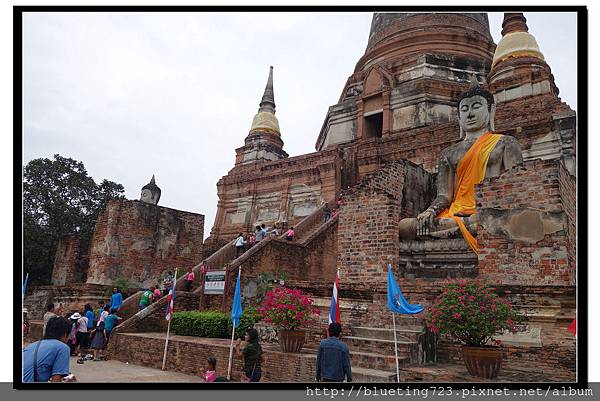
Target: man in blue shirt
50,355
333,359
89,313
116,300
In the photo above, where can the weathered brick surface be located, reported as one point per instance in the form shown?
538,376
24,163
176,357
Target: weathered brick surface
70,298
140,242
553,360
66,260
369,217
568,193
507,258
189,355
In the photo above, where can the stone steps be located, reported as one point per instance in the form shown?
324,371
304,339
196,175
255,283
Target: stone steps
366,375
407,333
372,360
374,345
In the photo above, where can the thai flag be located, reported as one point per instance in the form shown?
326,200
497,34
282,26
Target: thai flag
170,300
334,309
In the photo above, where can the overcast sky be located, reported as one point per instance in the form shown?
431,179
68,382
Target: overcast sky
173,94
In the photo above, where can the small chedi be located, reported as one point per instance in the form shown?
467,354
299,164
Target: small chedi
447,156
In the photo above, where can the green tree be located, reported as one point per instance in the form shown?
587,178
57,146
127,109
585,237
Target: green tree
59,198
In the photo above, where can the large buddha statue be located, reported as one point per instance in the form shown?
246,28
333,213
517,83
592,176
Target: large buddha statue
480,154
150,192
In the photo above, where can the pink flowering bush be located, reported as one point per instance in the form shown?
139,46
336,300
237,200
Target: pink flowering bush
471,313
288,309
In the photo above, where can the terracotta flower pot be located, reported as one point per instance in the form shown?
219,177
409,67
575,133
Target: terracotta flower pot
482,361
291,340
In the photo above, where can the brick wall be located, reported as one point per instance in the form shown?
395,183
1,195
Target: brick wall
369,217
524,228
189,355
554,360
568,192
66,259
70,298
139,241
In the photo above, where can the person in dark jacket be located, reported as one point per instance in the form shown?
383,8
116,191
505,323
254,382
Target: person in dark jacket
333,359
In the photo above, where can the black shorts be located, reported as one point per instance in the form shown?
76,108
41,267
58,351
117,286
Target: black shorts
81,337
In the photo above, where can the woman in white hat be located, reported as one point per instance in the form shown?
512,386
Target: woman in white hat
72,342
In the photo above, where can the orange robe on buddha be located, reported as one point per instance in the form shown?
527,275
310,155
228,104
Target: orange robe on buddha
470,171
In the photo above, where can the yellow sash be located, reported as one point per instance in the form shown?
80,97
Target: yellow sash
470,171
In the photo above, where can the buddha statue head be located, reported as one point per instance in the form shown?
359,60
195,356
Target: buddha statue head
476,110
150,192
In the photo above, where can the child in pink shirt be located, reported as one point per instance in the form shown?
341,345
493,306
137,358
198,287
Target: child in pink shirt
211,370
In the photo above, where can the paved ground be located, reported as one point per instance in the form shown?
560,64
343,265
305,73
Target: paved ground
116,371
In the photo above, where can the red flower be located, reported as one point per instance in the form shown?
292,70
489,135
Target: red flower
456,315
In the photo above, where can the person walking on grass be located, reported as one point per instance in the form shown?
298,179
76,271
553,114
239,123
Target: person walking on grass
333,358
48,359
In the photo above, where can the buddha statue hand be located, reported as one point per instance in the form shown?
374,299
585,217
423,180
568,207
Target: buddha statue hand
425,221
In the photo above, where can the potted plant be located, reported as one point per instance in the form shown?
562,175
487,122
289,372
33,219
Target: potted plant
289,310
472,313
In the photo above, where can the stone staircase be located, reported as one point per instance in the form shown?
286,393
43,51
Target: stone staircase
224,258
372,348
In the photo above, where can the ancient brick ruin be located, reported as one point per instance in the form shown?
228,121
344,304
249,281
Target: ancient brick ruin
377,151
133,240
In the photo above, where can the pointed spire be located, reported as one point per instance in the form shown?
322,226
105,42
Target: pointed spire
516,40
153,181
268,100
514,22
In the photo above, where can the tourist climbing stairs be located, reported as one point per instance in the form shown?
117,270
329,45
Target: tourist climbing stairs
372,351
224,258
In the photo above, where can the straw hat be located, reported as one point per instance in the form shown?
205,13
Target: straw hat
75,315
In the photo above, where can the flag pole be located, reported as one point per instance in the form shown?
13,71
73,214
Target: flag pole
230,354
232,336
169,325
396,348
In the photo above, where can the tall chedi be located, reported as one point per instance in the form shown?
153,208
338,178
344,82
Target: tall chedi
414,67
263,142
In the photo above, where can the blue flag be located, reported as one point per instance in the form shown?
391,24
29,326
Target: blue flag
395,300
25,284
236,309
